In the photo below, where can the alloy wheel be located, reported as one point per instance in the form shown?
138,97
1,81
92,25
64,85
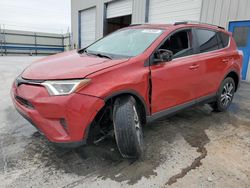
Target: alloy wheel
227,94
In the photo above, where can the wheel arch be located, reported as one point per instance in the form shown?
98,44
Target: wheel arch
139,99
233,74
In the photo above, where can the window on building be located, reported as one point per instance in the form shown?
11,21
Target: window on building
207,40
179,43
240,35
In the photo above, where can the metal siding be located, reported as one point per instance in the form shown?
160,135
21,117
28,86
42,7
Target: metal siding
119,8
161,11
233,10
205,3
242,8
139,11
224,13
87,26
248,8
210,12
221,12
217,12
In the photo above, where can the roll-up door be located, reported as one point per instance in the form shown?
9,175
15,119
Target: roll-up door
87,26
162,11
119,8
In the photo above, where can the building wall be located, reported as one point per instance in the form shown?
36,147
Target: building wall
26,42
221,12
138,16
218,12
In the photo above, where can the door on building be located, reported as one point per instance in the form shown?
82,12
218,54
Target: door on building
241,34
162,11
87,20
118,15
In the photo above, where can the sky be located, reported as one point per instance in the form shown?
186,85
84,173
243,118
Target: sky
51,16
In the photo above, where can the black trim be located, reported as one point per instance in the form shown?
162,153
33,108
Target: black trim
24,102
70,144
19,81
175,109
105,22
27,118
147,11
79,29
131,92
147,62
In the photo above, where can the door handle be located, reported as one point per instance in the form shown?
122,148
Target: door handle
195,66
225,60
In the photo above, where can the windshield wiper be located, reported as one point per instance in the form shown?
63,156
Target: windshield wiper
97,54
103,55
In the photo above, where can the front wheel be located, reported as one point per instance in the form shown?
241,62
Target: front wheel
225,95
128,127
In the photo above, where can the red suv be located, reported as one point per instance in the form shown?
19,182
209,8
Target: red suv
127,79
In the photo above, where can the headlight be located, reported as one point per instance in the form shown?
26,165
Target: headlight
64,87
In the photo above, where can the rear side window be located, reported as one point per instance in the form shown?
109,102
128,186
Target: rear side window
207,40
223,39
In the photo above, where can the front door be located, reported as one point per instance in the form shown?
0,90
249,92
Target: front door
175,82
241,34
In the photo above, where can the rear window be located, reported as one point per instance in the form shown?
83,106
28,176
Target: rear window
207,40
223,39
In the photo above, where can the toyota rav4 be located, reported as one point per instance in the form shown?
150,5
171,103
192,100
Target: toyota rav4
127,79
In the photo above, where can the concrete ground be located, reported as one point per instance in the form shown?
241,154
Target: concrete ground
195,148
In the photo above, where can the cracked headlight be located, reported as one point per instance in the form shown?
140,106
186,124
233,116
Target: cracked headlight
64,87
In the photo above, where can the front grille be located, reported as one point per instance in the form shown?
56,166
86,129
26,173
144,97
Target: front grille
24,102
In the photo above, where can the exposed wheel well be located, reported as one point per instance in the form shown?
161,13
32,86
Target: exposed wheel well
235,77
104,119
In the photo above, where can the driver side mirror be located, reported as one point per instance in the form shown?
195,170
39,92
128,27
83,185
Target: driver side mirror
163,55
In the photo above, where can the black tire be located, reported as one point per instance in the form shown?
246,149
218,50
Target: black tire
128,127
225,95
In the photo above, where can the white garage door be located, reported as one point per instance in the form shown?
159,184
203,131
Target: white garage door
170,11
88,26
119,8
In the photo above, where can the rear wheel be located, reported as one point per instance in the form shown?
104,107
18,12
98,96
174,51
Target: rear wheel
225,95
128,127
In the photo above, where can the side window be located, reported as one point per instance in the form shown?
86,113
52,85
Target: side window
207,40
240,35
179,43
223,39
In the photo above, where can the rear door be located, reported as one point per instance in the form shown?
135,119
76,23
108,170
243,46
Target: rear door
174,83
213,57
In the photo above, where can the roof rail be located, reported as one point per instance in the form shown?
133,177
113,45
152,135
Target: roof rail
197,22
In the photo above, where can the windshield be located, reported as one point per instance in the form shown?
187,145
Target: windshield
125,43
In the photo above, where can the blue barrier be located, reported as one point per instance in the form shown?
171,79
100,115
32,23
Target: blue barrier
45,48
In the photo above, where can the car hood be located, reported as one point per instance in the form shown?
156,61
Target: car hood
67,65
